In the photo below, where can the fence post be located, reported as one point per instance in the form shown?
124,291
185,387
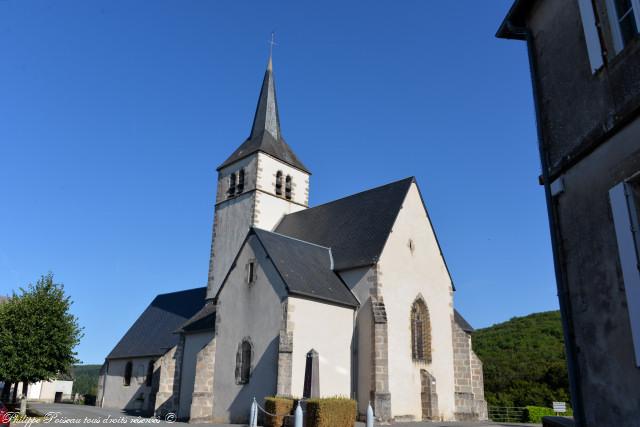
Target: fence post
298,419
369,415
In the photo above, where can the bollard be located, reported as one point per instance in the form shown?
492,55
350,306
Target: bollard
369,416
298,420
253,414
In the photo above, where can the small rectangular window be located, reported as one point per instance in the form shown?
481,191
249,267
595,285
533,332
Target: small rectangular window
240,187
625,205
232,185
149,379
279,183
287,187
251,272
128,372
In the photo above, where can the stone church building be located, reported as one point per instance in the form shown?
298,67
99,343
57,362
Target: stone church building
360,280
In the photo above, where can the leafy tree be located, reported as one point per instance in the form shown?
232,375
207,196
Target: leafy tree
524,361
38,333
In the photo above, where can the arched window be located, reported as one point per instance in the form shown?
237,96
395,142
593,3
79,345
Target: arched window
149,379
243,362
287,187
240,181
232,184
128,370
420,332
279,183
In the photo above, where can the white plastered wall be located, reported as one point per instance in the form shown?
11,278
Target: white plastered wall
328,329
267,169
406,274
252,311
257,206
116,394
360,280
271,210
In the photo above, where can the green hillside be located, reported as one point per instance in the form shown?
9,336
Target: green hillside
86,379
524,361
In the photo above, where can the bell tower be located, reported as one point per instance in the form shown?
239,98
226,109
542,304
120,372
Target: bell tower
262,181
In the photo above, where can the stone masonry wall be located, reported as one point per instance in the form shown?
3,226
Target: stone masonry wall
285,352
381,398
170,364
202,398
477,386
469,384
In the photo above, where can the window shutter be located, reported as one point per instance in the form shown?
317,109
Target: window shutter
591,36
624,219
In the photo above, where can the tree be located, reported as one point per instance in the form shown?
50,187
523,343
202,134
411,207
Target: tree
38,333
524,361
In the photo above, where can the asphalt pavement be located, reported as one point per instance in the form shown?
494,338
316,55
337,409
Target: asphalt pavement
59,414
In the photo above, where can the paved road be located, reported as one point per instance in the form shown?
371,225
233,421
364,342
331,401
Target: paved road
81,416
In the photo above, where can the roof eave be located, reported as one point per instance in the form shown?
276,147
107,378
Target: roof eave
514,20
229,163
313,297
133,356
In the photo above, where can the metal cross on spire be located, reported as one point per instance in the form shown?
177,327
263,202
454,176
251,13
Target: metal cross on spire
272,43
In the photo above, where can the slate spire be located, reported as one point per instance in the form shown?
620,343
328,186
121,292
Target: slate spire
265,132
266,118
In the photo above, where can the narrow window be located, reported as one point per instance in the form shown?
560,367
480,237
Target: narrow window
149,379
243,362
420,332
128,370
279,183
232,184
240,181
251,272
287,188
623,15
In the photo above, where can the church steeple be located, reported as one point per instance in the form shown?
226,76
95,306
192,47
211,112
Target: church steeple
265,132
266,118
260,183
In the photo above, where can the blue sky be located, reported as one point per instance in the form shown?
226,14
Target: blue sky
114,115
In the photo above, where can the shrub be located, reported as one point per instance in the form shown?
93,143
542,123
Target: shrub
331,412
534,414
278,405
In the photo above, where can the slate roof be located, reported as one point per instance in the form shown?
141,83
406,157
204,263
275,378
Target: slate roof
265,131
153,333
462,322
204,319
305,268
355,227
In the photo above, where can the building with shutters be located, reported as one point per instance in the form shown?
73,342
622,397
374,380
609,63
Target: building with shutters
585,70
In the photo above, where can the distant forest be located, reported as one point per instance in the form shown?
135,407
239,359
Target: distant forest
86,379
524,362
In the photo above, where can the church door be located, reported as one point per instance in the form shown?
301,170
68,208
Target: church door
429,397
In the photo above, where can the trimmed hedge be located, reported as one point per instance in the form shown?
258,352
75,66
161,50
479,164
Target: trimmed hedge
278,405
331,412
534,414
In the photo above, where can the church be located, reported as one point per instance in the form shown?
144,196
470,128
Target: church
360,283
